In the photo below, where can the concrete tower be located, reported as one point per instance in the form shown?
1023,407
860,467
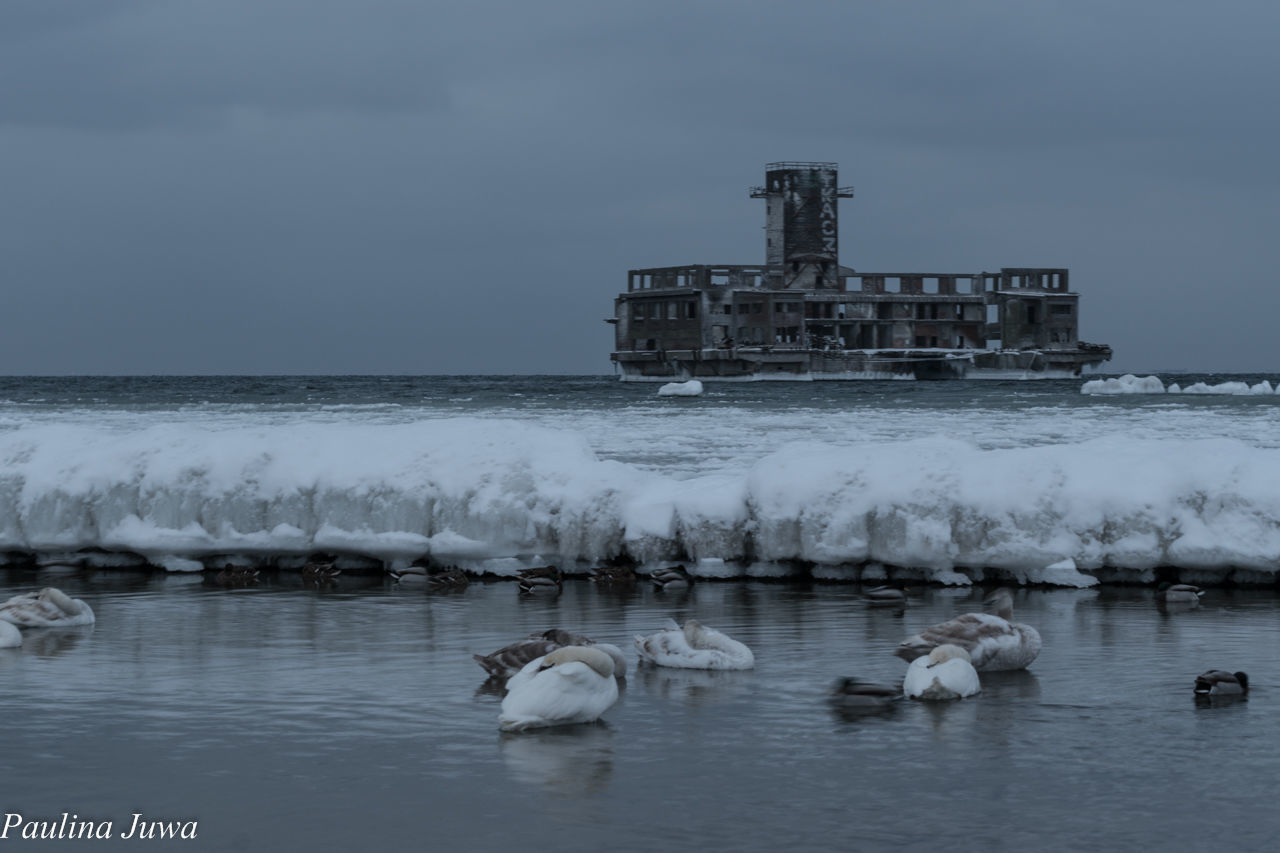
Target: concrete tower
802,225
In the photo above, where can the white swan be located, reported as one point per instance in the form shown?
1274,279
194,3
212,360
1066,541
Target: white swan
48,608
10,637
992,639
573,684
694,647
945,673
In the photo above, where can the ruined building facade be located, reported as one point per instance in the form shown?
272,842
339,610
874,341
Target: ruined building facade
801,315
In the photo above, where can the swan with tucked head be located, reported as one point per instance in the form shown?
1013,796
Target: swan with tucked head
572,684
945,673
48,608
694,646
992,639
10,636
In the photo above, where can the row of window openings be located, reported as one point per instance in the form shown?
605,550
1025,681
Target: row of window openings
671,310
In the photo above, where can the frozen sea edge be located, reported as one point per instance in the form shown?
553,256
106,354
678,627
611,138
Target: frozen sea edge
495,496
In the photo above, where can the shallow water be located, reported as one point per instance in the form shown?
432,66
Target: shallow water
281,717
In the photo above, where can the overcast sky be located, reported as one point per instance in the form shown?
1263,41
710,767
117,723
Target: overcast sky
331,186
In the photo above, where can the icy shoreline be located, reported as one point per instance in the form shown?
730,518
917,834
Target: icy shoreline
495,496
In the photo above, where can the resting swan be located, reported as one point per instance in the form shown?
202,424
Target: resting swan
945,673
694,647
992,639
573,684
48,608
10,637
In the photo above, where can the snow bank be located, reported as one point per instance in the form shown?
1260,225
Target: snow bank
1127,384
490,494
1234,388
692,388
1130,384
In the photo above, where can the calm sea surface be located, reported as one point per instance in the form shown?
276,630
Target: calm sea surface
285,717
288,718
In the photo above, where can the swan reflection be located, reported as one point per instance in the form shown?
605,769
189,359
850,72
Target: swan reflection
571,760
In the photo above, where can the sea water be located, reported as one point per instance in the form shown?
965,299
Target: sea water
353,717
287,716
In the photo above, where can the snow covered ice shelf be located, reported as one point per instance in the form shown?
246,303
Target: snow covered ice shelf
493,494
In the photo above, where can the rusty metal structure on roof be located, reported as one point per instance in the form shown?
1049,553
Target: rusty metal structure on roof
801,315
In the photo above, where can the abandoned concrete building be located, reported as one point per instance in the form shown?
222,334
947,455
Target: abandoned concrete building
801,315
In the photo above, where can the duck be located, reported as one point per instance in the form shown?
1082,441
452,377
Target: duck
943,674
510,659
992,639
1178,593
571,684
615,575
236,576
451,577
854,694
672,577
1219,682
48,608
321,570
542,579
417,573
885,596
10,636
693,647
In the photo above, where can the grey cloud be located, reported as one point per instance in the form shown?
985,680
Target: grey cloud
325,186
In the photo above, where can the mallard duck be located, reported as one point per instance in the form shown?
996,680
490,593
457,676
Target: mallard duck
321,571
1178,593
623,575
508,660
236,576
945,673
992,639
451,577
672,578
693,647
542,579
853,694
10,636
48,608
1219,682
885,596
573,684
